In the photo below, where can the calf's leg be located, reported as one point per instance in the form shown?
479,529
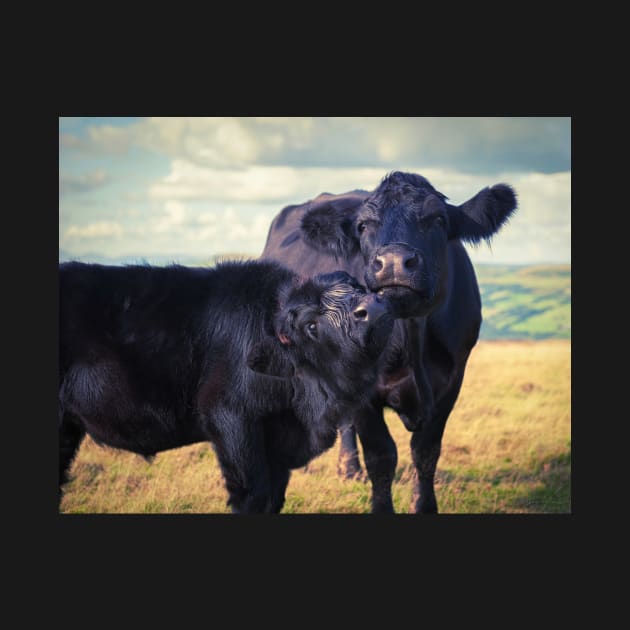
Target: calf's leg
240,447
279,479
71,433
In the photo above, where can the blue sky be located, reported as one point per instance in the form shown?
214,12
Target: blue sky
185,190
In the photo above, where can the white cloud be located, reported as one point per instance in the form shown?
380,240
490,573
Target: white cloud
69,184
174,215
472,144
111,139
95,230
258,184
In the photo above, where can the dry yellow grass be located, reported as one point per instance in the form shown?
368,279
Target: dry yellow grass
506,449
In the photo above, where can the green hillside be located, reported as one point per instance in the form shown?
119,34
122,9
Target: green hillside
525,302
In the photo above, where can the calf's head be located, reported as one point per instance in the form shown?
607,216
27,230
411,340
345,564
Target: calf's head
401,230
328,326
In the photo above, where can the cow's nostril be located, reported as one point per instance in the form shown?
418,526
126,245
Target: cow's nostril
360,313
411,261
377,264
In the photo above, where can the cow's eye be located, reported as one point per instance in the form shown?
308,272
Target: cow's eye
439,222
361,227
311,329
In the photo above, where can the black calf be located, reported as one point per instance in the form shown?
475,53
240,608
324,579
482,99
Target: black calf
244,355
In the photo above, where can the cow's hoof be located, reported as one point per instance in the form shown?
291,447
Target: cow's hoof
351,472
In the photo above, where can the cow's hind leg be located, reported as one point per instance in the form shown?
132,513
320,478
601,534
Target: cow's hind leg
71,433
380,454
348,464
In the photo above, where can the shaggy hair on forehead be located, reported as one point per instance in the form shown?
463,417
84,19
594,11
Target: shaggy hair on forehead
327,293
333,300
336,296
397,187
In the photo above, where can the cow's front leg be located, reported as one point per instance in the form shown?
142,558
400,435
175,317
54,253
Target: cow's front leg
425,451
426,445
380,455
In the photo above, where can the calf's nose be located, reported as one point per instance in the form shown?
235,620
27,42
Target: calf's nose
369,309
360,313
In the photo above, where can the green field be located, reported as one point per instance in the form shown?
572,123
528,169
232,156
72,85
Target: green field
525,302
506,449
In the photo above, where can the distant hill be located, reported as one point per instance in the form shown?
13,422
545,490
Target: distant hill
525,302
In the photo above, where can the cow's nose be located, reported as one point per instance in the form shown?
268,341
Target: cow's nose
394,263
410,261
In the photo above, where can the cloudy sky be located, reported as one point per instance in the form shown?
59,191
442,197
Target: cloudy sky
161,190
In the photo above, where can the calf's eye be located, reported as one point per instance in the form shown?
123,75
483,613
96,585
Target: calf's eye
311,329
361,227
439,222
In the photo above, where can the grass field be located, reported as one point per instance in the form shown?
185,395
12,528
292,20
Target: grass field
506,449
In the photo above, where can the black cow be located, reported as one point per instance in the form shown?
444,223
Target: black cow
245,355
404,240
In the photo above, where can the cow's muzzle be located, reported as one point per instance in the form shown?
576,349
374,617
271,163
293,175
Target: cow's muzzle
395,265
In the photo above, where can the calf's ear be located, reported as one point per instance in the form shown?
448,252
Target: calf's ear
328,225
483,215
268,358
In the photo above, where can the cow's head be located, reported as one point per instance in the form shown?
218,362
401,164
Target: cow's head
401,230
329,326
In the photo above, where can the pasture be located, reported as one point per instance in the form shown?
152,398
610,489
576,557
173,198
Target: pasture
506,449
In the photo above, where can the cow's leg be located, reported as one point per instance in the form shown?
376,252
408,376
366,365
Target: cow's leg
426,445
425,450
71,433
348,464
380,455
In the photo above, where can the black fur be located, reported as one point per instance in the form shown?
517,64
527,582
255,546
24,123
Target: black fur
404,240
153,358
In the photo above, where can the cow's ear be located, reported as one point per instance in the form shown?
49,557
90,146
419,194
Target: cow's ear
328,225
269,358
482,216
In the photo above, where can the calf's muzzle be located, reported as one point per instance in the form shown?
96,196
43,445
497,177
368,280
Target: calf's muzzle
370,309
